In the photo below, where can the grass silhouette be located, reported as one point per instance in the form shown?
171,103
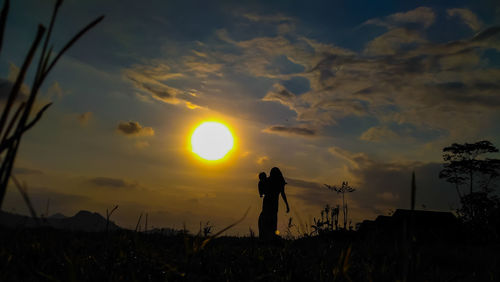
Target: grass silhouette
47,254
20,122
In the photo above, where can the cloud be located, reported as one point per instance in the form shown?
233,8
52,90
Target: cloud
395,85
13,72
112,182
267,18
469,18
55,91
384,85
6,85
391,42
199,54
192,106
280,94
160,92
353,159
286,130
84,118
259,56
380,134
203,69
401,77
423,16
485,39
151,79
154,71
133,128
420,15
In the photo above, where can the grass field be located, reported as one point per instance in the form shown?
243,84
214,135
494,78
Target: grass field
55,255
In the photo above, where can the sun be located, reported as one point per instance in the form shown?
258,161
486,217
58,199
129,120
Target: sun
212,141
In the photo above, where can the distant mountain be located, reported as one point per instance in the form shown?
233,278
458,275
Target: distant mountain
81,221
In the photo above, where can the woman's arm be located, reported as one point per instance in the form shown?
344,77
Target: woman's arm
283,195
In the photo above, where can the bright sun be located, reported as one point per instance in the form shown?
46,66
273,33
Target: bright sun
211,140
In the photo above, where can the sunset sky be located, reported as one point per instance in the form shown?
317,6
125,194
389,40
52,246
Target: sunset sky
328,91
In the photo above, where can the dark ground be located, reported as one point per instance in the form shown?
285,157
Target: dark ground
47,254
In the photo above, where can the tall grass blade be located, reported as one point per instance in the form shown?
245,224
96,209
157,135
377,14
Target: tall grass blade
205,242
47,38
24,193
138,222
12,122
8,161
7,142
108,215
37,117
12,144
70,43
20,77
3,20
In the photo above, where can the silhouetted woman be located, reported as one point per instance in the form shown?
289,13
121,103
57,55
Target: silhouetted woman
275,186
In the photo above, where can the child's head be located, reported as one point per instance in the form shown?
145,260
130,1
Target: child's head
262,176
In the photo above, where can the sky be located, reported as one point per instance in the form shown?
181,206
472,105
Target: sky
328,91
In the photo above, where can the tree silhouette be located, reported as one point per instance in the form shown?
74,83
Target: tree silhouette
342,190
462,165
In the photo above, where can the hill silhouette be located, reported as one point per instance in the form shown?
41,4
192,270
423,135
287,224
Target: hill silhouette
81,221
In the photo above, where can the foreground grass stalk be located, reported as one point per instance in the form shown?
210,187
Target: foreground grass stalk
10,143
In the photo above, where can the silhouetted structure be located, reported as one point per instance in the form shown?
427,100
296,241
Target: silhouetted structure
427,225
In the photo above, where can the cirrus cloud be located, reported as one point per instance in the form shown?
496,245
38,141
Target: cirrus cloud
287,130
469,18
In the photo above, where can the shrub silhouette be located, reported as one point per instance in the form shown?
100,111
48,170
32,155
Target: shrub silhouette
328,222
342,189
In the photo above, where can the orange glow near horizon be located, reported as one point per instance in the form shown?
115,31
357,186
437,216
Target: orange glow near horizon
212,141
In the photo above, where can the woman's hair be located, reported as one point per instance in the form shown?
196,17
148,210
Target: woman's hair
276,176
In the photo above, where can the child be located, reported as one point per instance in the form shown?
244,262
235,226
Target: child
262,183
